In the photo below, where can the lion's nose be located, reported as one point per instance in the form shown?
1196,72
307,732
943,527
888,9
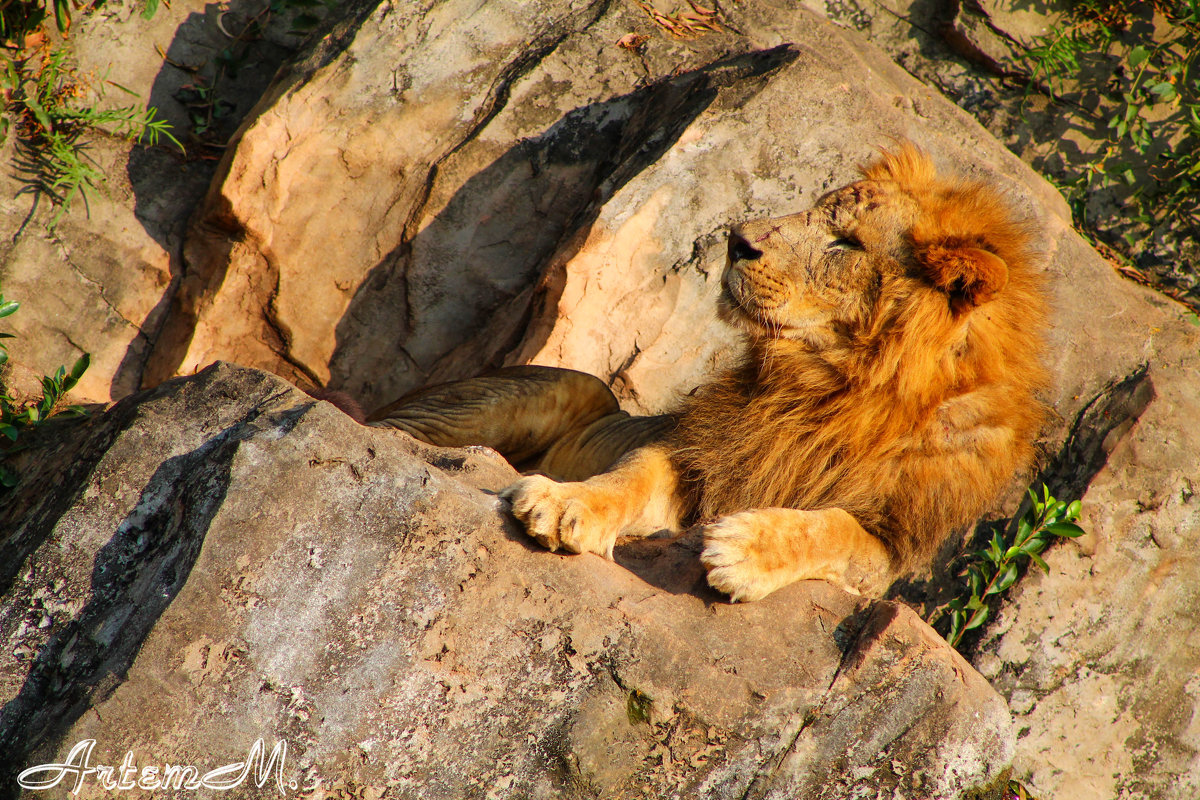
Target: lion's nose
740,249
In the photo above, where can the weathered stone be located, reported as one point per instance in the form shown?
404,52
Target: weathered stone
559,155
1099,657
100,280
232,560
550,196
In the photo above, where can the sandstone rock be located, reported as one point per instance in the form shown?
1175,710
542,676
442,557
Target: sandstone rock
226,559
1098,659
99,281
522,189
89,285
560,154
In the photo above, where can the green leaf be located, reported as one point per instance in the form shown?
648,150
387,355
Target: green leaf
80,367
977,619
1075,509
1165,91
1007,578
1068,529
62,14
1138,55
11,431
8,307
1035,545
956,628
975,603
975,580
149,9
1038,560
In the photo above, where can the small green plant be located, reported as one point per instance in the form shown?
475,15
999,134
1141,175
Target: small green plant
1017,791
17,417
53,128
992,570
20,18
638,707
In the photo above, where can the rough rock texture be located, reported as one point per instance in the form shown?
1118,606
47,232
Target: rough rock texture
1099,658
226,559
443,187
99,281
517,147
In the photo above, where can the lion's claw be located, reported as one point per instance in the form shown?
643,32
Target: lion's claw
557,518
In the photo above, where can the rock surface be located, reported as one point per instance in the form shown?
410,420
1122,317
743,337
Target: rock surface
100,280
227,559
539,194
520,188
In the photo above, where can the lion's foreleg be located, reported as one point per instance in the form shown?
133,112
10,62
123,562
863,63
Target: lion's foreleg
750,554
637,497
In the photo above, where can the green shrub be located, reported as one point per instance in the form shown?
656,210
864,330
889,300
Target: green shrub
1144,98
994,569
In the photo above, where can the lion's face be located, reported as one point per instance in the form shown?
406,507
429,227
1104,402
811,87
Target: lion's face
824,277
817,276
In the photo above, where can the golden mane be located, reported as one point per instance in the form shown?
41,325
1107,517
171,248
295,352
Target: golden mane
916,421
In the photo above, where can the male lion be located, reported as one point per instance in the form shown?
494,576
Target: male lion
886,397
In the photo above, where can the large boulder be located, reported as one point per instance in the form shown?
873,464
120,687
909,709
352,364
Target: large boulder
435,189
523,189
226,559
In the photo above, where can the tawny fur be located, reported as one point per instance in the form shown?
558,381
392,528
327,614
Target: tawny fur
919,407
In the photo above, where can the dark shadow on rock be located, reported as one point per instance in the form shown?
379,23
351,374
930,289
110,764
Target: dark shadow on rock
135,577
1103,423
666,561
670,562
548,189
59,454
208,86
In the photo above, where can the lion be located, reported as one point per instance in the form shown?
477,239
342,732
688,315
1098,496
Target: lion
888,394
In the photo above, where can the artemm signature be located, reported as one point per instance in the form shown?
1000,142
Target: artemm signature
258,767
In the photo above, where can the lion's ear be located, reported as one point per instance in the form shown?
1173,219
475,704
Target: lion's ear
971,276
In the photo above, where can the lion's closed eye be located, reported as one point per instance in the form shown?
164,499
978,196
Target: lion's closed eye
844,243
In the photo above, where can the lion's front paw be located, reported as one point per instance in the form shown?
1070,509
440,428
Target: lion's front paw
557,516
737,559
